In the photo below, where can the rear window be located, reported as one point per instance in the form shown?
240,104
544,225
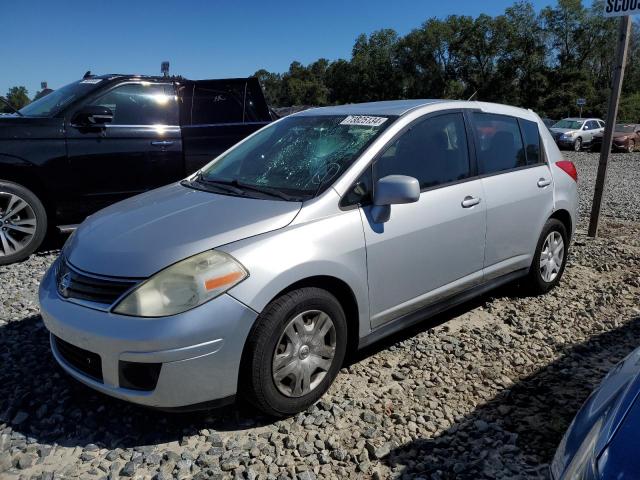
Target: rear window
531,137
223,103
499,143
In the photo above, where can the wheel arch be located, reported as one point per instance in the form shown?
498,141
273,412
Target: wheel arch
565,217
339,289
16,170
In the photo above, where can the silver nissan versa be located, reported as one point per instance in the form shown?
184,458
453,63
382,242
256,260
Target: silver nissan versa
319,234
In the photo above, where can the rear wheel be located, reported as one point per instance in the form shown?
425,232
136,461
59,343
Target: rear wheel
550,258
294,352
23,222
631,147
577,144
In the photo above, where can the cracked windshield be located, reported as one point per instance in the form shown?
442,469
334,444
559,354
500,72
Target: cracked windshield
299,156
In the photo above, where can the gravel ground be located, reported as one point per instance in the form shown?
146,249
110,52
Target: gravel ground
484,391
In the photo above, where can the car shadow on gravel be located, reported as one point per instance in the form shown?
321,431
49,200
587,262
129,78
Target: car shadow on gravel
39,400
523,423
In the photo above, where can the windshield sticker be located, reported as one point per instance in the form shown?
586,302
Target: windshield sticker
92,81
364,120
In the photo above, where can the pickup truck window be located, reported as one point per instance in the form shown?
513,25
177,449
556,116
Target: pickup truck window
141,104
213,105
298,155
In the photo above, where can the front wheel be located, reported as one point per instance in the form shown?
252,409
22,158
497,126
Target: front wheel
23,222
577,144
294,351
550,258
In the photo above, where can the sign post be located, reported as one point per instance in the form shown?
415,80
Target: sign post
581,102
612,8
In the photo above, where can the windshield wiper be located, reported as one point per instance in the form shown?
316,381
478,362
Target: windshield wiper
8,103
241,187
266,190
222,185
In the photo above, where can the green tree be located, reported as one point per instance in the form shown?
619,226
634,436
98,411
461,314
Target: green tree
18,97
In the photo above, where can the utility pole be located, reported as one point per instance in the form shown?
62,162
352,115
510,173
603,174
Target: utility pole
612,113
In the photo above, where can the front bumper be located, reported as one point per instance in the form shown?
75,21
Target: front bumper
197,352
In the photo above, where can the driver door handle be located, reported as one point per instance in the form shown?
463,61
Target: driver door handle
470,201
543,182
162,143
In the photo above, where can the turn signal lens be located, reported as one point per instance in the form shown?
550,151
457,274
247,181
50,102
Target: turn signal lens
569,168
184,285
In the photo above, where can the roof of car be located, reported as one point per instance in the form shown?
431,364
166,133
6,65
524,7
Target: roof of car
576,119
388,107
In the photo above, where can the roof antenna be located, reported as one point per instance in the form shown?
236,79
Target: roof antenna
471,97
88,74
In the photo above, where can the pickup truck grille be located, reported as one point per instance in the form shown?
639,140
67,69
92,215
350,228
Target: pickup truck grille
80,286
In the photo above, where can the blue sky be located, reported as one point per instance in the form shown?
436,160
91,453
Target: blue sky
58,41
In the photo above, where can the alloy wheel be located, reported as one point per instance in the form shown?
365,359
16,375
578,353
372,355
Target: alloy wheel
304,353
18,223
577,145
551,256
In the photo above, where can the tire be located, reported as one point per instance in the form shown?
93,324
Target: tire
631,147
24,230
577,144
538,281
268,344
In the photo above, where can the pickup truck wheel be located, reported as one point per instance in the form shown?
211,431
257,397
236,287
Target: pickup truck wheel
23,222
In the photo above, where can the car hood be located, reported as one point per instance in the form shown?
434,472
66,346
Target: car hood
15,127
562,130
144,234
608,405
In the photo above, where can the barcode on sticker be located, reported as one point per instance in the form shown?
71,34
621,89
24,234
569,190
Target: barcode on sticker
364,120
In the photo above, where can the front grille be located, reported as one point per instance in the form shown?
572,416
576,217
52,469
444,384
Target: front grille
73,284
85,361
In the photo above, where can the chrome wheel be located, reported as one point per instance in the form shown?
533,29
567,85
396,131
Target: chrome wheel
17,224
304,353
551,256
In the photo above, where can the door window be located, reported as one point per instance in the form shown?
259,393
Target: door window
532,141
499,143
141,104
218,103
434,151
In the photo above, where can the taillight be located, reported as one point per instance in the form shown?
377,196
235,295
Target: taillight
569,168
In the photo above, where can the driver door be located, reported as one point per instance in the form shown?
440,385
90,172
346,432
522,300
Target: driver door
433,248
139,150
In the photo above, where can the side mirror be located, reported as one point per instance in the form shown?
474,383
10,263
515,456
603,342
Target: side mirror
393,190
92,116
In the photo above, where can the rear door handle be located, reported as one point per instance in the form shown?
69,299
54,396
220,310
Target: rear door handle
470,201
543,182
162,143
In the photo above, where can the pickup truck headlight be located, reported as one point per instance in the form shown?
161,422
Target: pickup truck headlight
184,285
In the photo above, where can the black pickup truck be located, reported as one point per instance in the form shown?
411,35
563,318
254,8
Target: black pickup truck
104,138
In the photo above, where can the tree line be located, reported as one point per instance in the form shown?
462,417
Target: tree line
541,60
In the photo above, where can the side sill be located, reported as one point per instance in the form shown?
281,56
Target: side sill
424,313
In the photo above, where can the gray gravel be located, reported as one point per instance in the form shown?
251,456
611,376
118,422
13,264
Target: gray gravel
484,391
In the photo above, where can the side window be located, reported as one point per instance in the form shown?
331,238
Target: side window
361,192
532,141
217,103
255,108
434,151
141,104
499,143
601,123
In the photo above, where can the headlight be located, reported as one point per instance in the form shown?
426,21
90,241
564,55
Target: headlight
184,285
582,465
567,135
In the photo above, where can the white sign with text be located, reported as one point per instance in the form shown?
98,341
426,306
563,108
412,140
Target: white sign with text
620,8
